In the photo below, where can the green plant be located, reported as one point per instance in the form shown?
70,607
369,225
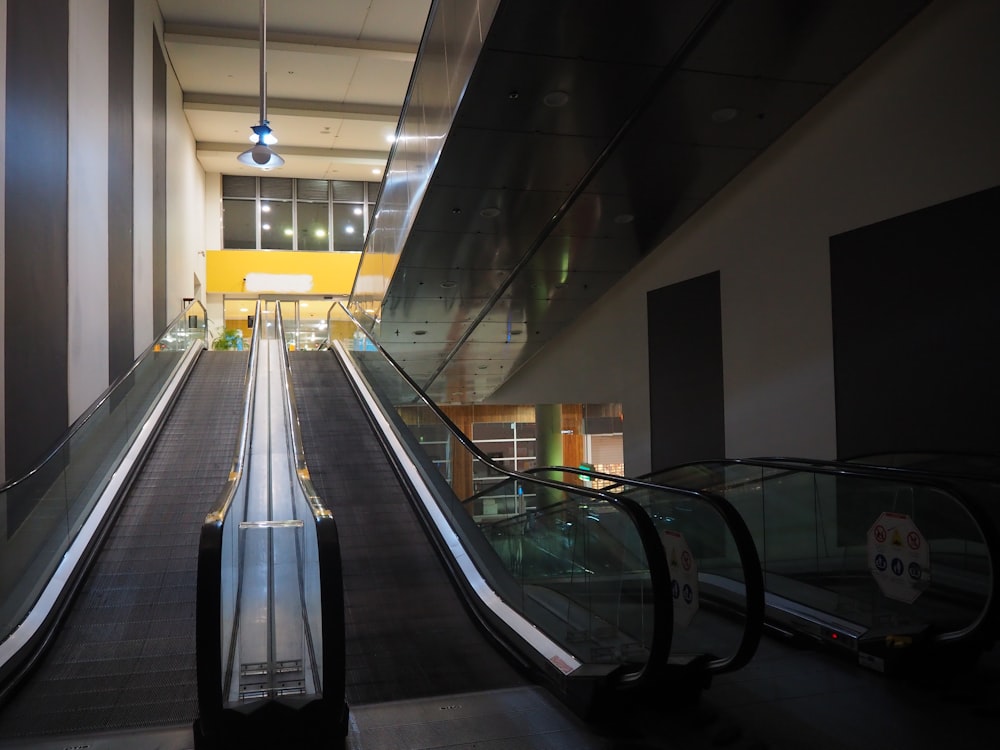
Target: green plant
230,338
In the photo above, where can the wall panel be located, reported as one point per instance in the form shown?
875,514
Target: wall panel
35,243
916,328
159,87
687,414
121,194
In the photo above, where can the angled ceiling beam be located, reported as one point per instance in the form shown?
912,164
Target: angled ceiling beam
290,42
327,153
296,107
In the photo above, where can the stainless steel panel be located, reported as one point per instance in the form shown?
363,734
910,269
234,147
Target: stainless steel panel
533,211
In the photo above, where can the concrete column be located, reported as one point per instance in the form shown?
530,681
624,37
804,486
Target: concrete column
548,447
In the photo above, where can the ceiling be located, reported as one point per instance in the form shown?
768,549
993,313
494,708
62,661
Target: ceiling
581,139
337,74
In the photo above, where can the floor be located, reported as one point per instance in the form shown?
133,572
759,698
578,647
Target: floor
788,697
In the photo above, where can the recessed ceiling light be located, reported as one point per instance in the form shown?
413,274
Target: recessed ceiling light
420,332
556,99
515,331
724,114
489,213
447,284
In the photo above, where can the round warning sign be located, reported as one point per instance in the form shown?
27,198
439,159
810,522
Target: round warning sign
898,557
683,577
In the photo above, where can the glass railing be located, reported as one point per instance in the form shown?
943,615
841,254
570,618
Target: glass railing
860,557
450,46
717,583
270,615
583,568
42,513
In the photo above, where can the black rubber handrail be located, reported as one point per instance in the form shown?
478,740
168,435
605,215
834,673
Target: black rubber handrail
753,576
658,664
869,462
208,643
331,574
80,421
987,627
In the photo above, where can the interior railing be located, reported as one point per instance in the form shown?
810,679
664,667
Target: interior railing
270,619
717,581
862,558
587,569
52,518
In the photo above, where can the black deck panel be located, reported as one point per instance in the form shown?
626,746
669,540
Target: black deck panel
408,634
124,656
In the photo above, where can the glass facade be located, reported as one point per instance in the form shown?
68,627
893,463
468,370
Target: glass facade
279,213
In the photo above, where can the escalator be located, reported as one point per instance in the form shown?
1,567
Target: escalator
408,634
898,569
582,573
120,656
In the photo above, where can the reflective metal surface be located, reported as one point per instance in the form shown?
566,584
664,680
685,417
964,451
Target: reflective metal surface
583,138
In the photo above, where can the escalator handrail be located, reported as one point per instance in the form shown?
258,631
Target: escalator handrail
987,625
753,576
208,644
331,574
659,570
861,462
87,415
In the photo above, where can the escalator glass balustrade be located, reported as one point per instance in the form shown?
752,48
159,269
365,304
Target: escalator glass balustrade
588,570
863,560
50,517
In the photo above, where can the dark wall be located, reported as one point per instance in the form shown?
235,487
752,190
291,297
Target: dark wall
916,328
36,398
121,320
687,412
159,189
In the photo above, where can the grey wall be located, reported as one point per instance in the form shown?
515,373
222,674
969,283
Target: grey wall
686,401
35,234
159,88
121,18
916,329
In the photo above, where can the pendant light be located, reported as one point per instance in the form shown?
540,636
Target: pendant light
261,156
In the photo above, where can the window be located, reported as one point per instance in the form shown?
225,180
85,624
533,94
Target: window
281,213
512,445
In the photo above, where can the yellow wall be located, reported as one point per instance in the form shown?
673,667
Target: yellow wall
332,273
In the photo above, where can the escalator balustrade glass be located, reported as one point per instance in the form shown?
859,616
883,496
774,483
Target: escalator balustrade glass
43,512
580,567
858,555
716,581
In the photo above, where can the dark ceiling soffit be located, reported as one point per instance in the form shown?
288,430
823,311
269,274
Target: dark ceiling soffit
703,27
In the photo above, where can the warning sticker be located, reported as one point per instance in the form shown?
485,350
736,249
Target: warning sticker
898,557
683,577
